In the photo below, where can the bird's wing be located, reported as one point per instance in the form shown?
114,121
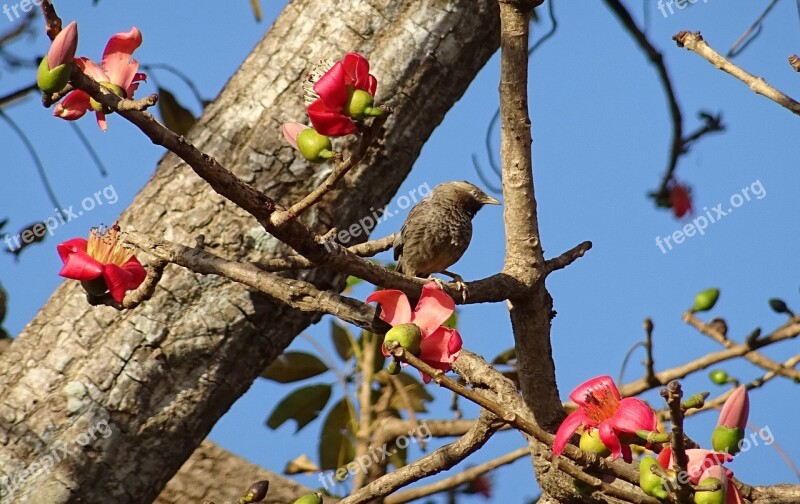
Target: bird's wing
398,245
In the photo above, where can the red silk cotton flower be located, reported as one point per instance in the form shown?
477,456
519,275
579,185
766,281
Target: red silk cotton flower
700,466
600,406
440,345
102,264
342,93
116,72
680,197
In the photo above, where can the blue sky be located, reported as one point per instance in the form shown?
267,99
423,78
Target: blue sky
601,136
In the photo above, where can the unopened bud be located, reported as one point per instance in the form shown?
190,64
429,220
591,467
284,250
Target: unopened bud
591,442
52,81
705,300
312,498
651,483
726,439
719,377
313,146
256,493
408,336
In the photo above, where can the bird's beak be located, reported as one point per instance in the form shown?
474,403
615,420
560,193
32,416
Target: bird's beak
488,200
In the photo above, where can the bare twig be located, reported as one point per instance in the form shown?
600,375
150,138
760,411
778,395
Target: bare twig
673,394
293,262
744,41
458,479
568,257
695,43
754,357
340,169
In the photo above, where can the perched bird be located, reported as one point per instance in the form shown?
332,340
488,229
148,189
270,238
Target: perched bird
438,229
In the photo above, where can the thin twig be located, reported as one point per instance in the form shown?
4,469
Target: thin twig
340,169
673,394
735,49
458,479
695,43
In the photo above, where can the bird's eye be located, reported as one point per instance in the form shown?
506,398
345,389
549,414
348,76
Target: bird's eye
475,193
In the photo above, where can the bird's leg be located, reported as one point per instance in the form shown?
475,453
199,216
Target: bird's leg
460,284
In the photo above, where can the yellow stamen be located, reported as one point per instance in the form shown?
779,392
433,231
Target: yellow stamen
309,95
105,248
601,404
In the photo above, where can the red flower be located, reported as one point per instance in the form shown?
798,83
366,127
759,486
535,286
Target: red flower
117,72
101,264
680,197
600,406
343,93
440,345
700,466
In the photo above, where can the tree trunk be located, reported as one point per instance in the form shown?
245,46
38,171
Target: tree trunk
161,375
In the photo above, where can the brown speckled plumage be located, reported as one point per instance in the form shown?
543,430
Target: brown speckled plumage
438,229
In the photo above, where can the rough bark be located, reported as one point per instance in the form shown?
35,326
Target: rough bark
212,473
162,374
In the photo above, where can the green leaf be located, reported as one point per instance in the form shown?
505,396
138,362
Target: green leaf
302,405
294,366
352,282
505,356
176,117
336,442
416,392
452,321
343,340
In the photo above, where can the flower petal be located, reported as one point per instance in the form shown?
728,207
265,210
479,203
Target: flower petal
117,57
101,120
435,348
589,387
329,122
632,415
433,309
609,438
732,495
332,87
567,429
357,69
122,279
395,308
81,266
70,247
73,106
290,131
700,460
91,69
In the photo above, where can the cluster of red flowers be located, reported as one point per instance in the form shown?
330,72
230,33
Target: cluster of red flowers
339,95
616,420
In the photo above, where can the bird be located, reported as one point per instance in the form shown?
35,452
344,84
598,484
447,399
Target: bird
438,229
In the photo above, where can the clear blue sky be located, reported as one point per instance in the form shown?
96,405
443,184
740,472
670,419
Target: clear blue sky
601,134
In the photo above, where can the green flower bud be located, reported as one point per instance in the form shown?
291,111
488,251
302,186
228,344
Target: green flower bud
117,90
408,336
715,497
312,498
726,439
52,81
96,287
591,442
651,483
358,102
313,146
393,368
705,300
719,377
